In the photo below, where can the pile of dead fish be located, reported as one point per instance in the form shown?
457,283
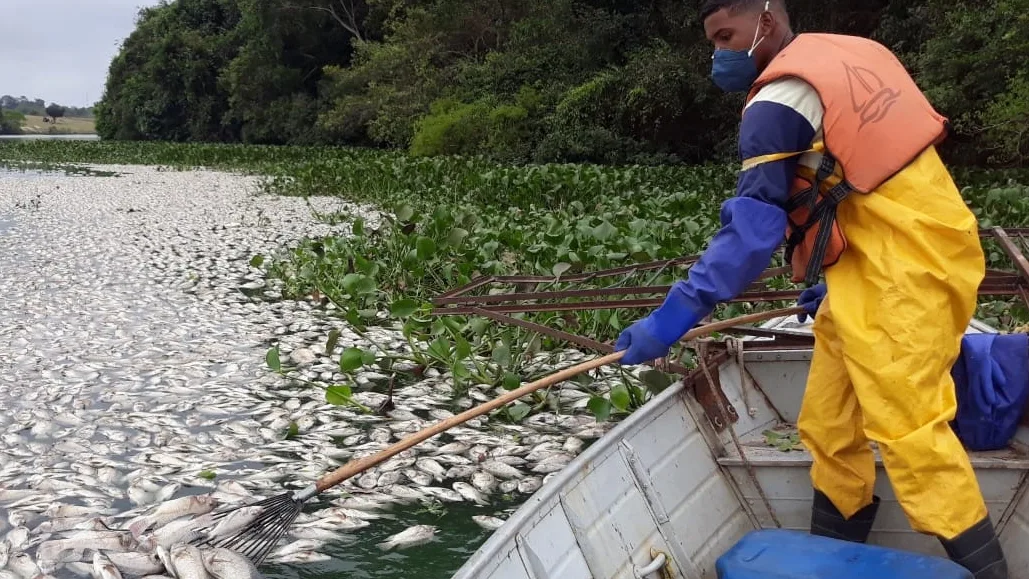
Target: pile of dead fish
132,377
156,543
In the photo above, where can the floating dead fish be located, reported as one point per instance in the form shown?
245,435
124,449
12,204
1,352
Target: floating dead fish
487,522
410,537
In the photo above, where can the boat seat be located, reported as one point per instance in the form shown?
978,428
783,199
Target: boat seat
784,554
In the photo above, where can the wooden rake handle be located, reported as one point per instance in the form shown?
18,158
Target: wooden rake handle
355,467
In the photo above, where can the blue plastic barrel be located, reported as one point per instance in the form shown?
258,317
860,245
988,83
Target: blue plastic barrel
782,554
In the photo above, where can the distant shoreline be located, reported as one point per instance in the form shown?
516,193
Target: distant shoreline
34,125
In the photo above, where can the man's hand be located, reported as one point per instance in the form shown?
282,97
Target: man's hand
810,299
642,344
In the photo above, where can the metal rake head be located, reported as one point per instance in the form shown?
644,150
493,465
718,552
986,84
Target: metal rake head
257,539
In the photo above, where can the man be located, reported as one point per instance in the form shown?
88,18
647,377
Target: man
901,257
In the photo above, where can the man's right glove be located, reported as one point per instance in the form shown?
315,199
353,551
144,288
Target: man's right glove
651,337
810,299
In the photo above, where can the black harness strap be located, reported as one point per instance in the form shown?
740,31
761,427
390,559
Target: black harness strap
821,212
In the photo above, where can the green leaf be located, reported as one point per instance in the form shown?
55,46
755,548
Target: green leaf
518,411
350,282
365,285
463,349
479,326
426,248
257,260
560,268
403,308
351,359
338,395
457,236
655,380
502,355
358,227
405,213
330,344
272,359
368,358
207,474
600,407
459,371
292,431
511,381
620,397
440,349
604,231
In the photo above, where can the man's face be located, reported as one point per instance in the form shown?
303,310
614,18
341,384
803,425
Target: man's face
736,31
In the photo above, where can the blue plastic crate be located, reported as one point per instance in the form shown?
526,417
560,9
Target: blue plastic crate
782,554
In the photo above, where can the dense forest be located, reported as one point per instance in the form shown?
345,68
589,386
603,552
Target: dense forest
608,81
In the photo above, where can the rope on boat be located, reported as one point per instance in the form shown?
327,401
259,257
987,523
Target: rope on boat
702,352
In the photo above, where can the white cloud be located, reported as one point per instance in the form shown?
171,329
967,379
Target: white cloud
60,50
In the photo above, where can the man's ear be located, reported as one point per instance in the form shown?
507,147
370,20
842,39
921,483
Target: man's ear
766,22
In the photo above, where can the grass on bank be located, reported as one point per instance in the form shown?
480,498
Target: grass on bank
63,126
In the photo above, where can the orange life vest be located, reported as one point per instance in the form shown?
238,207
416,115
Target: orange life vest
876,122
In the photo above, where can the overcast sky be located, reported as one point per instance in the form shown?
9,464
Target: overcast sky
59,50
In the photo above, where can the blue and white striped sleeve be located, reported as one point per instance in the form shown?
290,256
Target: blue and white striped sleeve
784,117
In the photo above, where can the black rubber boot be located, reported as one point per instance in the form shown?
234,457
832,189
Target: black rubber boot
978,550
828,521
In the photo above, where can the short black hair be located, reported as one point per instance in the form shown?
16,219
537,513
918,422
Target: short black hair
712,6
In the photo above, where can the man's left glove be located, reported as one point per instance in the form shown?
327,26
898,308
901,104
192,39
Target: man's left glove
651,338
810,299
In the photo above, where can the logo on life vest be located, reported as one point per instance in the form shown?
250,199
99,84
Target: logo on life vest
871,98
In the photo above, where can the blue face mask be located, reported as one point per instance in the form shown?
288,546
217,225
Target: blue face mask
734,70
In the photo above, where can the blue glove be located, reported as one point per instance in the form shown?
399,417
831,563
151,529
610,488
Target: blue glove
810,300
651,338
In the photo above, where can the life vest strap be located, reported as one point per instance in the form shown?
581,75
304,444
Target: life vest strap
822,213
752,162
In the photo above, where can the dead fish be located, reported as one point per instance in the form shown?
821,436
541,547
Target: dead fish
359,503
165,558
235,521
136,563
432,467
529,485
171,510
178,531
484,481
453,448
297,547
469,492
461,471
61,511
416,535
23,565
501,470
226,564
418,477
302,557
314,532
489,523
573,445
17,538
103,568
444,494
188,562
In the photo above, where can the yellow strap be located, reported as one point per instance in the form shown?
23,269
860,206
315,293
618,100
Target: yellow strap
752,162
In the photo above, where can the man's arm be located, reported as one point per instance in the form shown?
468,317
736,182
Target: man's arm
753,222
783,118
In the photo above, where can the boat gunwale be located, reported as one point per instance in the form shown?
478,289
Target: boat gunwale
506,536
